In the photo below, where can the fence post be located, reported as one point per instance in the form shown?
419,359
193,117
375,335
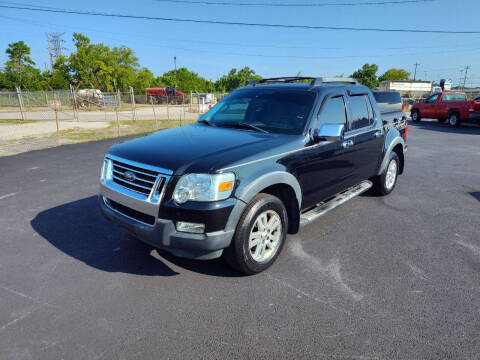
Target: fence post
56,112
154,114
132,101
74,100
183,106
168,112
116,112
20,102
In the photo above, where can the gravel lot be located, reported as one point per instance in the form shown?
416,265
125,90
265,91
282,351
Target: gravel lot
378,278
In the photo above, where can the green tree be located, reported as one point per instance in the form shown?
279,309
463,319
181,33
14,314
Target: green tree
186,81
143,79
234,79
367,75
394,74
99,66
19,70
18,55
3,81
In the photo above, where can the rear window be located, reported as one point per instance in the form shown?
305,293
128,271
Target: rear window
387,97
454,97
274,110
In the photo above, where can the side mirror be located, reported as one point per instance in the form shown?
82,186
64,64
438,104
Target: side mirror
330,132
201,117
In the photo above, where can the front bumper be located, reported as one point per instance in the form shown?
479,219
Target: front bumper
164,235
151,219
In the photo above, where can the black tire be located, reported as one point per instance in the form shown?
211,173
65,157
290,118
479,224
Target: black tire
238,255
415,116
453,119
442,121
380,182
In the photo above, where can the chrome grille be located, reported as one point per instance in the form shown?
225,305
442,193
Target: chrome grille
142,181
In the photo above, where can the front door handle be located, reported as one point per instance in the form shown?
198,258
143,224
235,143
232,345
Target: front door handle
378,133
347,144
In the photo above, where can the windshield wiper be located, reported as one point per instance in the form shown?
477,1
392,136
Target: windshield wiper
207,123
244,126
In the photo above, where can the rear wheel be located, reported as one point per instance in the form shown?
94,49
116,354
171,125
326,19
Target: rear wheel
415,116
260,235
386,181
453,119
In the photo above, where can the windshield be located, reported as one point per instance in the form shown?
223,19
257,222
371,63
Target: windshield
272,110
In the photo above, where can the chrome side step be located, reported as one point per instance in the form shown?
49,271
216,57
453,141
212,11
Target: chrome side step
338,200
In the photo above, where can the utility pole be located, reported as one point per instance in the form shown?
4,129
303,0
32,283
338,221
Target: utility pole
460,78
175,65
415,74
465,79
54,41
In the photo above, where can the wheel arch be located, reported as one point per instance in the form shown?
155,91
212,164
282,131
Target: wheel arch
282,185
393,142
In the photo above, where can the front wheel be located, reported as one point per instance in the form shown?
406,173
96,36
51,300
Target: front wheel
386,181
260,235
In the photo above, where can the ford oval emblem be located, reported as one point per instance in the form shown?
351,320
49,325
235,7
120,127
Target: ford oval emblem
129,176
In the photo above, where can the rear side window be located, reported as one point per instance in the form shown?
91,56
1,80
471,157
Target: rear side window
359,114
453,97
333,112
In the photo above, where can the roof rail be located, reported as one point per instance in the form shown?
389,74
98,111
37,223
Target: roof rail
315,81
333,80
284,79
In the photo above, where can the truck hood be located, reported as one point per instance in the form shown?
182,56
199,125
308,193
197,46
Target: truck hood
197,147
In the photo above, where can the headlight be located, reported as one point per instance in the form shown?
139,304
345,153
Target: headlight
203,187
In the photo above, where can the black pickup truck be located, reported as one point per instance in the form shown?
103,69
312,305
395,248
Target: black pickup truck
270,157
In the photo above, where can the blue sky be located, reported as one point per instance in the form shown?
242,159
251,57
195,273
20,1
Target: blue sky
211,50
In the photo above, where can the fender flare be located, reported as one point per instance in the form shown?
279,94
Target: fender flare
392,139
272,178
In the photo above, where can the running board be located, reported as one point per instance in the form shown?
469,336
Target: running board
338,200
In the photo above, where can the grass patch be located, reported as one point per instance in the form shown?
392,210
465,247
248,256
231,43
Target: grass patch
11,121
129,127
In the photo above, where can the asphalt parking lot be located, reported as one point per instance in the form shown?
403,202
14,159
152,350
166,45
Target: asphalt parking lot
378,278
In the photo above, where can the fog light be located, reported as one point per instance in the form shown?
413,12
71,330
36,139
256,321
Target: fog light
190,227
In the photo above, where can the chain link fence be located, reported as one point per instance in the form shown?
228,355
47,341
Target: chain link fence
28,119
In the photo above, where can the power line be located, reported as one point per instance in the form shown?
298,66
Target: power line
217,22
236,44
296,5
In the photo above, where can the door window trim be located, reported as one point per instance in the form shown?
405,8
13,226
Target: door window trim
325,100
354,132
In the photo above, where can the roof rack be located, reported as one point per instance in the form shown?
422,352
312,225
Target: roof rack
315,81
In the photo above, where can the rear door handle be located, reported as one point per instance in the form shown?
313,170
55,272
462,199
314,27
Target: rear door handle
378,133
347,144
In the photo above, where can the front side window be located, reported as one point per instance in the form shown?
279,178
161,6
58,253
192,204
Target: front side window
359,116
432,99
274,110
333,112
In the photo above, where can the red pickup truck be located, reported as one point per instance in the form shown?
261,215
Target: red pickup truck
449,105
